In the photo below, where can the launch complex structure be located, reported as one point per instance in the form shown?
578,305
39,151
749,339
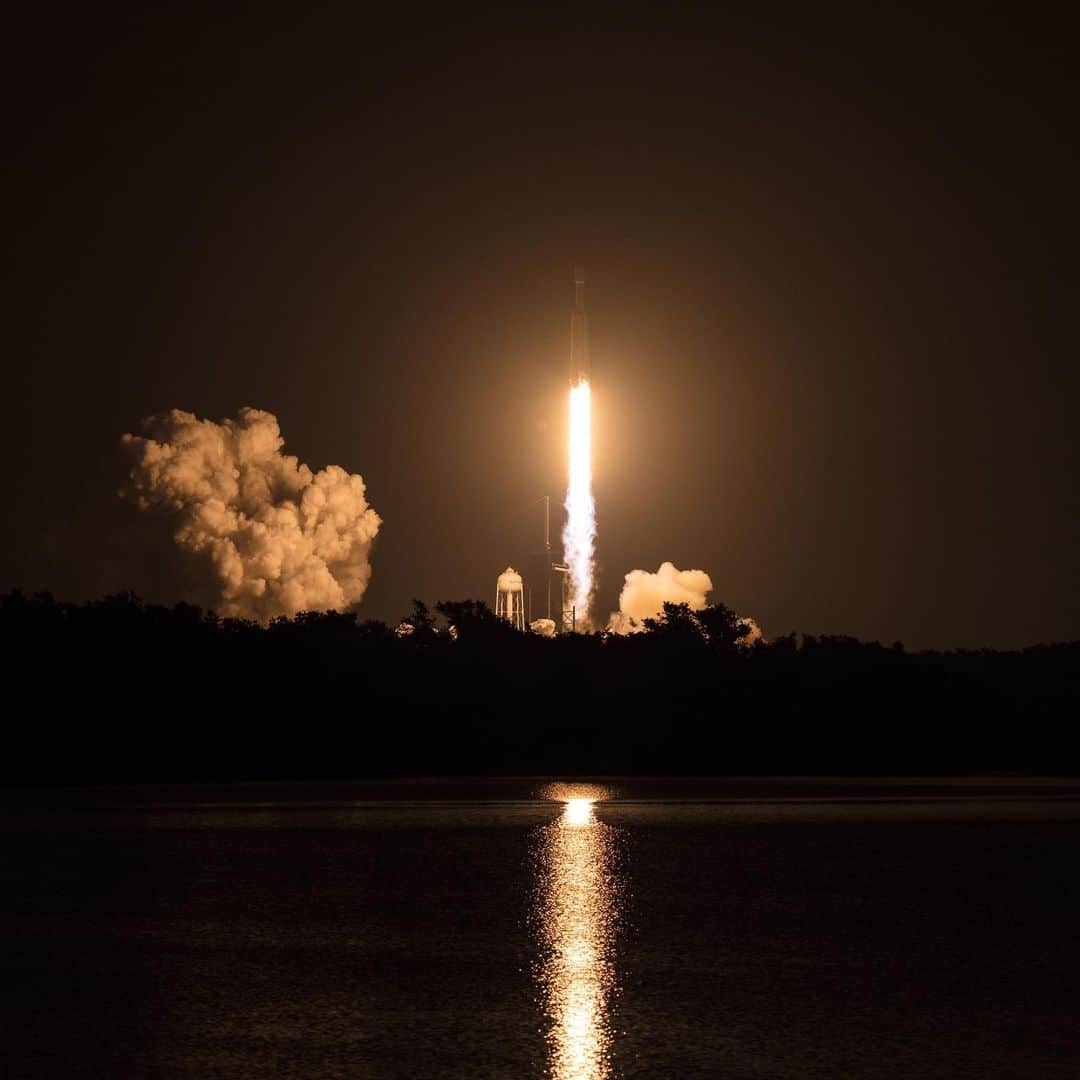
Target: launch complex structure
562,582
557,575
560,576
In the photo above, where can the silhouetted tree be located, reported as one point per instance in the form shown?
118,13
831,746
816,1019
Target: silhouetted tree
422,622
122,689
474,622
677,625
723,628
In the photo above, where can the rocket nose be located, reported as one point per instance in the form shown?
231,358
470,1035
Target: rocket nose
579,275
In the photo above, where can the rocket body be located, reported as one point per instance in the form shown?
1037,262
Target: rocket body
580,368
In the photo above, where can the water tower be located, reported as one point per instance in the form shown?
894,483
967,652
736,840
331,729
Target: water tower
510,598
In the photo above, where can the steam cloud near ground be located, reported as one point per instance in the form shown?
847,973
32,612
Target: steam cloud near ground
644,594
275,537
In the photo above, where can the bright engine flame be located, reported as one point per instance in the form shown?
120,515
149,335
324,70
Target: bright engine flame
579,535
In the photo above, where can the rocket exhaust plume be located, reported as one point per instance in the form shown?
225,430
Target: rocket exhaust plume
579,533
274,537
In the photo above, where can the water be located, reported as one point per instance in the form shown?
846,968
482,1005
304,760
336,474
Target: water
528,929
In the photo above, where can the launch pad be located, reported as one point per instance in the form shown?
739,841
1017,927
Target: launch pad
566,587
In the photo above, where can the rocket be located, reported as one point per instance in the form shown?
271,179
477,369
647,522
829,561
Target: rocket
580,368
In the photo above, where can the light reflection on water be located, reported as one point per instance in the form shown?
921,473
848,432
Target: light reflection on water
578,902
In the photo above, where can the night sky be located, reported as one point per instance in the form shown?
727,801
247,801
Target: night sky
831,289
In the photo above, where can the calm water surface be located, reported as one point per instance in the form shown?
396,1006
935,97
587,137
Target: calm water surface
528,928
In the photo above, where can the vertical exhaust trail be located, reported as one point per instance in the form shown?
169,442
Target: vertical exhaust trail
579,533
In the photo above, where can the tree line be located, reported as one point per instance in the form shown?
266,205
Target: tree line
118,690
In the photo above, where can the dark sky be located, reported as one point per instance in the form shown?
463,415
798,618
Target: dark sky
832,293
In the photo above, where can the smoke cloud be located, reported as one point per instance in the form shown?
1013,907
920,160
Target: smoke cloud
644,594
274,538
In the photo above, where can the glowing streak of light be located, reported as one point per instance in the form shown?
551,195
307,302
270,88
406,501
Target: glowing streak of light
578,916
578,812
579,535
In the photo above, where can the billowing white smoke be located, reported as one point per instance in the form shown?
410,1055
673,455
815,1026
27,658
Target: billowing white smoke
278,538
644,594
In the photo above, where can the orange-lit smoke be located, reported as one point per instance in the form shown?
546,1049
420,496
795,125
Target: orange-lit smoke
579,534
644,594
273,537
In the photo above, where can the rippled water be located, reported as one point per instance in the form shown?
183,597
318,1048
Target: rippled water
578,892
529,929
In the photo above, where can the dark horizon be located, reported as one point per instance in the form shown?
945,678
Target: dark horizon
831,268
